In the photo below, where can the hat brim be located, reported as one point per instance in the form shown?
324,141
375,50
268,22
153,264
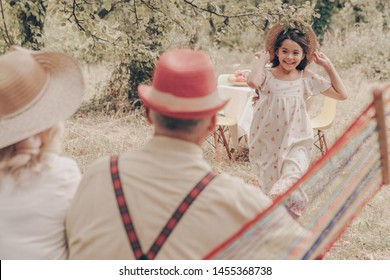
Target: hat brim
60,98
278,28
182,110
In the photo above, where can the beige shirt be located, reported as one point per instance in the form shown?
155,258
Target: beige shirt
155,180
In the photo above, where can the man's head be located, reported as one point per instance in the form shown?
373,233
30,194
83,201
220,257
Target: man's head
183,92
192,130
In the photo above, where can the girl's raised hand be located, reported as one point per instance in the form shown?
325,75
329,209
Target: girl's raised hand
263,55
321,59
255,78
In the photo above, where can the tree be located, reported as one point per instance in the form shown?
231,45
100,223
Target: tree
325,8
28,17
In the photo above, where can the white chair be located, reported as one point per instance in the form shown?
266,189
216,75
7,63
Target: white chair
323,121
229,118
223,122
236,107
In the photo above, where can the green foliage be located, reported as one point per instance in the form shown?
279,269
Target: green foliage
345,14
360,38
135,33
326,9
8,32
232,32
23,23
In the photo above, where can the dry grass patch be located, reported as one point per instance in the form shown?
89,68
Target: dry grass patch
87,139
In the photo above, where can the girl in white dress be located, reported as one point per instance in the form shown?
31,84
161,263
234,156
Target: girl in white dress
281,137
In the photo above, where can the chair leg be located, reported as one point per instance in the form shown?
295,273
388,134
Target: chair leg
217,146
322,142
246,139
325,144
219,136
225,142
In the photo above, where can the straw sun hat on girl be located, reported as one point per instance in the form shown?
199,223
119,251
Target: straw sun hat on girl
282,27
183,87
37,90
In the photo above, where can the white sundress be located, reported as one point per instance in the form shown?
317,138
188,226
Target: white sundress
281,137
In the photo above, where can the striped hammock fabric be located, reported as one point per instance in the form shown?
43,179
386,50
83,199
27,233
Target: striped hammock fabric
338,186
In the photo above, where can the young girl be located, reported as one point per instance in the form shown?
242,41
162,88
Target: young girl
281,137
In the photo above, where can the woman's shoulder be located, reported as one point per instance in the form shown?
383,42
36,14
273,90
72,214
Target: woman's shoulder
60,163
62,168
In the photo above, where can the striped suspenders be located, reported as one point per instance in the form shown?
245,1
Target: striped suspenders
170,225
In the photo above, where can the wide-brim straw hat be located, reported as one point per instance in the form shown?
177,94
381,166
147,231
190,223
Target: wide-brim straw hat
183,86
281,27
37,90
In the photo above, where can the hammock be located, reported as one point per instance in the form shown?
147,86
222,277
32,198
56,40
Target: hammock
338,185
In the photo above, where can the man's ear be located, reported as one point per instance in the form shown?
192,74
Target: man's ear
147,115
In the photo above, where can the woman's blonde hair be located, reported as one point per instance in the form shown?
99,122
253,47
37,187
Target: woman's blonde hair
30,152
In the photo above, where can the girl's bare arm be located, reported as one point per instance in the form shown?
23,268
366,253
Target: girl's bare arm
256,77
337,90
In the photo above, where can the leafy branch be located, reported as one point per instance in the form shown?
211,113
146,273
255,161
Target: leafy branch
78,22
153,8
214,11
7,38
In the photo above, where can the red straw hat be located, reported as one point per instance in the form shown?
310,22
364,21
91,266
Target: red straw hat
183,87
37,90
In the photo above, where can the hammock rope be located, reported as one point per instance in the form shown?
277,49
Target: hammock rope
338,185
